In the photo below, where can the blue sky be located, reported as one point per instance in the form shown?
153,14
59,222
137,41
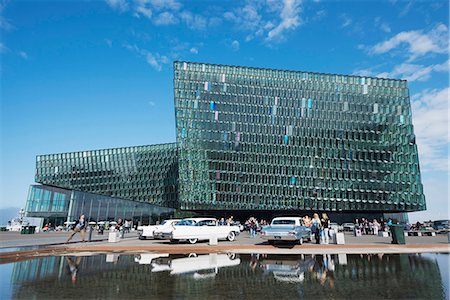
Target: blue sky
97,74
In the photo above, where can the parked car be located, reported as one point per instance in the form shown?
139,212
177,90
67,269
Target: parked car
286,229
165,232
146,232
201,229
441,225
336,227
241,227
348,226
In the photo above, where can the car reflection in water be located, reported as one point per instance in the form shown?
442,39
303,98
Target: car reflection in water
294,269
200,266
147,258
287,270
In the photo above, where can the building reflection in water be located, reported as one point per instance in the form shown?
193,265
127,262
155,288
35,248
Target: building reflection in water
154,275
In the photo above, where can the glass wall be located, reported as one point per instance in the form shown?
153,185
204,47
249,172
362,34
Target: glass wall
143,173
60,205
268,139
103,208
45,199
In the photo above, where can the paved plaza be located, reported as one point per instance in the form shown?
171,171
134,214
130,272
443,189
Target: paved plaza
15,245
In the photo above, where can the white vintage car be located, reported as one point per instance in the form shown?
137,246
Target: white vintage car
146,232
199,229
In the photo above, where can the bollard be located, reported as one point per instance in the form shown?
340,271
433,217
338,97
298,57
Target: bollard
340,238
213,241
112,238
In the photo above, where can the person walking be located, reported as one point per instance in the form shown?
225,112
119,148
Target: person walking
79,227
253,226
325,223
315,227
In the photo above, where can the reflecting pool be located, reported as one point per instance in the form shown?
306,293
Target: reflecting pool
227,276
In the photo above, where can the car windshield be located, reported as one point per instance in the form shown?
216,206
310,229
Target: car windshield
163,222
283,222
185,223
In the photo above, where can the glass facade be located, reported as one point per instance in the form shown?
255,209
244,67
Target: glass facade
46,201
263,139
62,205
143,173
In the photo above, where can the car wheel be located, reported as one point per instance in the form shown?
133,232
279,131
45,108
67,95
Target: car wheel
231,236
193,241
300,241
231,256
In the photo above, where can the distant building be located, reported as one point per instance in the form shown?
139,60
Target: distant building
264,142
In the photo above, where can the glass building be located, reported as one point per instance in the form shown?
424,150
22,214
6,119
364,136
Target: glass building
263,139
256,141
57,205
143,173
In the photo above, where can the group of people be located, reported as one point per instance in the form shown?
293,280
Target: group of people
372,227
80,227
229,221
320,227
253,224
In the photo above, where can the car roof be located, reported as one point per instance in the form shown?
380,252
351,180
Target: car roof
200,219
286,218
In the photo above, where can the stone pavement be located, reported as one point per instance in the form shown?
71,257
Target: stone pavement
15,239
15,245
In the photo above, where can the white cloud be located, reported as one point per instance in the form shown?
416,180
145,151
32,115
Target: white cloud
120,5
430,119
385,27
418,42
193,21
193,50
364,72
414,72
3,48
235,45
165,18
405,10
165,4
143,10
23,54
269,20
155,60
320,15
346,21
289,19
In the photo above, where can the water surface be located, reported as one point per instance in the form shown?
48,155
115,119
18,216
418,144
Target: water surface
226,276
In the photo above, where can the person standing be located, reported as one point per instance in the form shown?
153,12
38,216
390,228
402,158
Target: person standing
80,227
325,223
315,227
376,227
